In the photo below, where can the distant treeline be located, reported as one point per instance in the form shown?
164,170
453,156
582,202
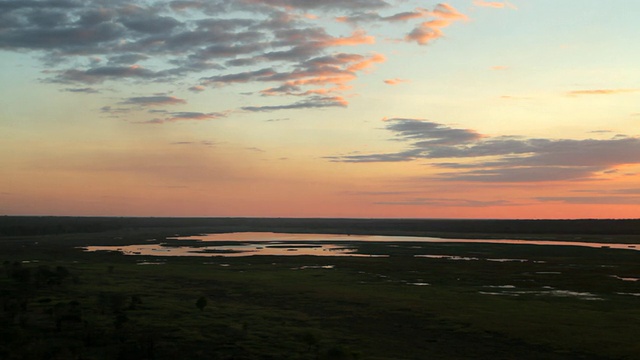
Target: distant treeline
45,225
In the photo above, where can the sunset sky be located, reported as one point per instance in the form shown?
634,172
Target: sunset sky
320,108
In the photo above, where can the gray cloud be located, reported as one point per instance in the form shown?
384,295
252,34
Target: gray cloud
373,16
100,74
368,158
192,115
154,100
184,115
243,77
310,103
126,59
479,158
327,4
86,90
91,42
197,88
151,24
430,133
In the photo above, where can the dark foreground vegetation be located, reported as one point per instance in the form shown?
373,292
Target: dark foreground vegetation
507,302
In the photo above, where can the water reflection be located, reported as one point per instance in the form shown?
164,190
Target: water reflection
510,290
241,249
285,237
269,243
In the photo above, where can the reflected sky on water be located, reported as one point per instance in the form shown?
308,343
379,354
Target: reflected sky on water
269,243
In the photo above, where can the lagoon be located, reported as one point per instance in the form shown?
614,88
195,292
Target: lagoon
271,243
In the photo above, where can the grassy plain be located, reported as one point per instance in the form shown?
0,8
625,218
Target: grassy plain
59,302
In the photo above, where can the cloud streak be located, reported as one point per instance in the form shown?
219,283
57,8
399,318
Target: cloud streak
395,81
601,92
493,4
314,102
466,155
153,100
445,202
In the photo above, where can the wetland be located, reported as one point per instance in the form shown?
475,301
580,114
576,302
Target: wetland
400,298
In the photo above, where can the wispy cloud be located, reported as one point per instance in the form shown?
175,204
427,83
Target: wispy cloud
85,90
620,200
153,100
184,115
196,143
493,4
191,115
601,92
98,75
310,103
445,202
197,88
395,81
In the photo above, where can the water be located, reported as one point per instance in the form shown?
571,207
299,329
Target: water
270,243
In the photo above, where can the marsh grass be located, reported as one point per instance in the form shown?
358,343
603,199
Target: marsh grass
305,307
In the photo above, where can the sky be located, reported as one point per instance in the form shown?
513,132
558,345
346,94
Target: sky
334,108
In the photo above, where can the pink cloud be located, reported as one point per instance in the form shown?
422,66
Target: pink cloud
395,81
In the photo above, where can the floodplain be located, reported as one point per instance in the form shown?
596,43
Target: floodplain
364,298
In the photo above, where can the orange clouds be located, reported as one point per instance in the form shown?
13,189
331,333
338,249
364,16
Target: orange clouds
427,31
358,37
446,11
367,63
431,30
336,70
